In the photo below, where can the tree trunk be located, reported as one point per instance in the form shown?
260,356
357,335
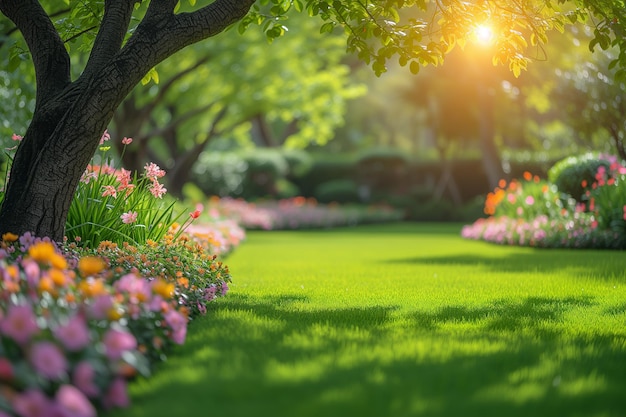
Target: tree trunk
489,151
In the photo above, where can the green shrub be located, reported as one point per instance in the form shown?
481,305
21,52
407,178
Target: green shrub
568,174
339,191
299,162
220,173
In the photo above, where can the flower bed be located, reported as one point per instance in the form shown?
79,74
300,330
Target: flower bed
298,213
76,324
533,212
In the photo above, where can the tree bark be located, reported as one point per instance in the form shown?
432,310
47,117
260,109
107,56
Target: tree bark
70,117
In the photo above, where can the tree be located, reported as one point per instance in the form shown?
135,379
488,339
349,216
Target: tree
71,114
277,98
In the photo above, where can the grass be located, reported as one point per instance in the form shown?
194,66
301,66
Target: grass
401,320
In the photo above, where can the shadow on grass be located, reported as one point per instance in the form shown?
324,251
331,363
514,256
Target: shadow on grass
536,314
275,357
600,264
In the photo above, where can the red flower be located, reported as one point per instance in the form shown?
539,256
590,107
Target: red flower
195,214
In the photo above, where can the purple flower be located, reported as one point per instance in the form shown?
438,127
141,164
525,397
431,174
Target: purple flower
100,307
73,403
116,342
48,360
74,335
83,377
224,288
117,396
33,403
19,323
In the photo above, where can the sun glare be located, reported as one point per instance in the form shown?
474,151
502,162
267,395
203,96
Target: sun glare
484,34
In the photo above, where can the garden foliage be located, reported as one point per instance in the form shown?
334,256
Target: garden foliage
534,212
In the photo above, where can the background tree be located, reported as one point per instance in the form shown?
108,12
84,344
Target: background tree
278,99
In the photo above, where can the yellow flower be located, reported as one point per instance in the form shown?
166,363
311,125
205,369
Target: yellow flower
163,288
90,265
42,251
9,237
114,314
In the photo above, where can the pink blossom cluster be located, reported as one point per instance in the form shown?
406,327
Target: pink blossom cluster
69,337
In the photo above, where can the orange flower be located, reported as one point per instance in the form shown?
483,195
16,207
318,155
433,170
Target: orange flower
528,176
13,271
90,265
58,261
58,277
9,237
502,183
42,251
183,282
46,284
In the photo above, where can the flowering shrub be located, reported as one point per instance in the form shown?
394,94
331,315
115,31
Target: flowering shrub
606,196
527,199
533,212
112,205
186,271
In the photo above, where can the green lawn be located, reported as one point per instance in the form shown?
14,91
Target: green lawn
402,320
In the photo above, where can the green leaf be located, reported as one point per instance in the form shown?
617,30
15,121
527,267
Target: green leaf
327,27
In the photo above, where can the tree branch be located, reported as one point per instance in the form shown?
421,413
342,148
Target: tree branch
51,60
177,122
211,20
165,87
115,22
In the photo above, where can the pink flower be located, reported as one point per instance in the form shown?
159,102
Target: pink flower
117,395
88,176
73,403
178,324
624,212
530,200
6,370
105,137
153,171
127,141
123,176
117,342
100,307
32,403
32,272
19,323
109,190
17,137
129,217
74,335
83,377
157,189
48,360
137,287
